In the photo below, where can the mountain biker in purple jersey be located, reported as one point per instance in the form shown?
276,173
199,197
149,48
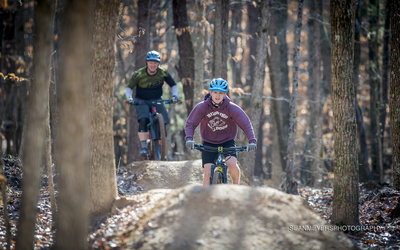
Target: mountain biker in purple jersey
148,82
219,119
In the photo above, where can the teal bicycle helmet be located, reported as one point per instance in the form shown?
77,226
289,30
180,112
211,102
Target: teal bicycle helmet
219,85
153,56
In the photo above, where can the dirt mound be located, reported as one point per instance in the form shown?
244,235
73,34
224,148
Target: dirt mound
170,174
218,217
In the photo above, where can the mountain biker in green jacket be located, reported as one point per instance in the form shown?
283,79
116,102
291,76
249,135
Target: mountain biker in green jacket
148,82
219,120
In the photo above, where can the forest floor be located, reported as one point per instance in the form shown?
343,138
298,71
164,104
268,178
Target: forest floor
158,210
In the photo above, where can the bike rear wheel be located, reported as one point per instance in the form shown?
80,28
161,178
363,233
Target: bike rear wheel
217,177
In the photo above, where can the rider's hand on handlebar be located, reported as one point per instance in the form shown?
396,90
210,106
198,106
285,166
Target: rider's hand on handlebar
252,146
190,144
175,98
130,100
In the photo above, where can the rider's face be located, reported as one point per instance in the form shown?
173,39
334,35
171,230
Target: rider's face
152,67
217,97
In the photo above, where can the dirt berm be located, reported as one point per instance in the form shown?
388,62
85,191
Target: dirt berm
171,174
217,217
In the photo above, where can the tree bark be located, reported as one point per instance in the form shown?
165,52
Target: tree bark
373,72
103,187
345,198
252,25
258,87
38,101
142,43
220,41
385,79
364,171
236,51
279,77
291,183
394,101
200,48
186,52
73,139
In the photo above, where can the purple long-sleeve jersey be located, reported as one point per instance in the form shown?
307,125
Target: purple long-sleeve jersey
218,124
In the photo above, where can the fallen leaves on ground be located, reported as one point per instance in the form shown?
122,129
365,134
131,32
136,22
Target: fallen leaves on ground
378,227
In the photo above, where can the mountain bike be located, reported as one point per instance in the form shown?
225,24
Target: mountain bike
219,169
157,141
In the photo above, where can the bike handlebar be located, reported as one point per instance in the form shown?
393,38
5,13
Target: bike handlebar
141,102
219,149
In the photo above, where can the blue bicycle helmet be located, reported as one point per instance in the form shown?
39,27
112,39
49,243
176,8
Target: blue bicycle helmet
219,85
153,56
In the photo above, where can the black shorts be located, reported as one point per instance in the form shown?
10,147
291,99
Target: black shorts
211,157
142,110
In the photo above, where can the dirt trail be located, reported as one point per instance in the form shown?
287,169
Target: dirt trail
170,174
185,215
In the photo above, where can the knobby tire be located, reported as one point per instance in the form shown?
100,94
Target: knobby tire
163,139
217,177
160,149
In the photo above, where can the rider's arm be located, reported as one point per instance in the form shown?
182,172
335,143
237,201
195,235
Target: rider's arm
174,90
128,93
134,80
193,121
168,79
243,121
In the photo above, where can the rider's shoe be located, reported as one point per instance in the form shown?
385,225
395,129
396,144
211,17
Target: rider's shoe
144,152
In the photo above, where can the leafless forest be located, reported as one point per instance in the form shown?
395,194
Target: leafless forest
318,79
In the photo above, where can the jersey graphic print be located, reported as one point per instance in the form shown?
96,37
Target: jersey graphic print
218,121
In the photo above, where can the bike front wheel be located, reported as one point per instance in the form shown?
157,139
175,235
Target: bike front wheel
217,177
159,144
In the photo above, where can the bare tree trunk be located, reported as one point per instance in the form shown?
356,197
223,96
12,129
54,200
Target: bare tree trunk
252,25
103,187
318,99
279,77
345,198
236,54
258,161
306,159
140,59
220,41
199,49
373,72
311,168
73,140
394,101
364,172
291,183
186,52
257,91
385,78
38,102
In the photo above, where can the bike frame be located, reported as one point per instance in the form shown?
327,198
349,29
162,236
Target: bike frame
220,164
156,132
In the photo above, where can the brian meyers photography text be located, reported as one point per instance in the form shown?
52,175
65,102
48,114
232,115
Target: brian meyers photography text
345,228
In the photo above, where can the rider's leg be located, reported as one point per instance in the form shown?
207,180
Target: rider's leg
143,134
234,169
207,174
